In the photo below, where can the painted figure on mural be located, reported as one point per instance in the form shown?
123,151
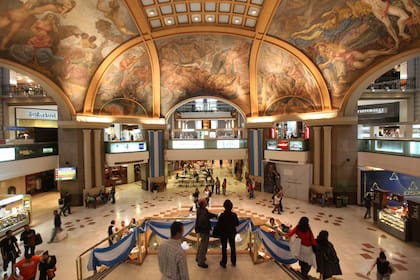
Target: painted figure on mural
16,18
111,10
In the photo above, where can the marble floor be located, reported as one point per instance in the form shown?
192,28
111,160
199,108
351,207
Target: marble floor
357,241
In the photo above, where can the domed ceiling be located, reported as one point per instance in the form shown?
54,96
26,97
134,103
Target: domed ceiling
141,58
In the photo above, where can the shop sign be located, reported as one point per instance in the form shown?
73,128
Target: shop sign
283,145
188,144
228,144
7,154
36,114
122,147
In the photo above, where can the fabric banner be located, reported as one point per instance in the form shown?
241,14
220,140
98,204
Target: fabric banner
163,228
278,249
113,254
120,250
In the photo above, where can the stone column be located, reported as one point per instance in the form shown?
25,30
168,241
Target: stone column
327,156
87,158
98,156
317,155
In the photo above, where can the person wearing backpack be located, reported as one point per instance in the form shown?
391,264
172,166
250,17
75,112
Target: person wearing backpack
383,267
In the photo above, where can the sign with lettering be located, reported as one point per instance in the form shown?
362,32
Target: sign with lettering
36,114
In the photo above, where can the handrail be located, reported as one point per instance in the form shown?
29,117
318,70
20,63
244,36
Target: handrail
253,245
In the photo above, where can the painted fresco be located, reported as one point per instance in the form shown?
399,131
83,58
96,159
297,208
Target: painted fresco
63,39
126,88
345,37
209,65
285,85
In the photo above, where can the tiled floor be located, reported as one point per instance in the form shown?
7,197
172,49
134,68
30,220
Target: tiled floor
356,240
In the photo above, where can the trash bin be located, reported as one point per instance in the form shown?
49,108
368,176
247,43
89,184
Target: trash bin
345,200
338,201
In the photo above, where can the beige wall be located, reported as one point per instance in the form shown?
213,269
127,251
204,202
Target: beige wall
18,182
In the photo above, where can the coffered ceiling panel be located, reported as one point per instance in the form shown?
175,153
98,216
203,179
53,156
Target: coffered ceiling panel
172,13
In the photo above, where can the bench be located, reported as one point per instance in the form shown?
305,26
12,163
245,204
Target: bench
94,197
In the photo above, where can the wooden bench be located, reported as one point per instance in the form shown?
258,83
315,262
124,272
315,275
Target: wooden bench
95,196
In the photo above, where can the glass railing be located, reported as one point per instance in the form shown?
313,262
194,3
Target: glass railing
202,144
27,151
408,148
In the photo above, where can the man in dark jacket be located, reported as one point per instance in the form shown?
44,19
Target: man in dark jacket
228,221
28,238
57,226
202,227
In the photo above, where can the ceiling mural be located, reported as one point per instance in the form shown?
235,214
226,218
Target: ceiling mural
345,37
63,39
285,84
210,65
126,88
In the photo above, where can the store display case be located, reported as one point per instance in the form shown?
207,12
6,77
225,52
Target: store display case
15,212
393,221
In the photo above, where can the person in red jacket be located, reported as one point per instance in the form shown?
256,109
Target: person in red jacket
306,254
28,266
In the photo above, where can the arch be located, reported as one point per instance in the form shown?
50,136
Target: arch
359,86
65,107
179,104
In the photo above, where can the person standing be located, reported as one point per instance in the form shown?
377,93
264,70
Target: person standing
112,193
224,186
195,196
28,238
57,226
327,261
202,227
172,258
111,232
277,201
228,221
47,267
368,205
217,184
67,203
9,250
383,268
281,194
27,266
306,255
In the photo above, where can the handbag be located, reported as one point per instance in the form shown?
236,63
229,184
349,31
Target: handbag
295,245
38,239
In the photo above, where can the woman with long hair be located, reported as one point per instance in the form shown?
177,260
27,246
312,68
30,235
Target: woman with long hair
305,255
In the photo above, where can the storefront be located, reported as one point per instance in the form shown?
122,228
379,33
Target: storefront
15,212
391,192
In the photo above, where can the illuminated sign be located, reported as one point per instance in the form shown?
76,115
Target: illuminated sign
188,144
228,144
127,147
283,145
7,154
36,114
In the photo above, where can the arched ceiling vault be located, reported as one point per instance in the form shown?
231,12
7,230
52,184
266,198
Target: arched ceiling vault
139,58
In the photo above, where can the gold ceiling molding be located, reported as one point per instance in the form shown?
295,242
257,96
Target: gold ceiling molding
268,10
66,108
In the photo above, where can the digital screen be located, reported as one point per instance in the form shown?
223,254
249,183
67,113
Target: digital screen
65,173
296,145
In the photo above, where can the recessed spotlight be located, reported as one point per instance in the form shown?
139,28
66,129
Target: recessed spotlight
237,20
196,18
152,13
210,18
253,12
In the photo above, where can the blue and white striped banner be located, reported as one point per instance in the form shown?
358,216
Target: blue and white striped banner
163,229
113,254
156,153
278,249
120,250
